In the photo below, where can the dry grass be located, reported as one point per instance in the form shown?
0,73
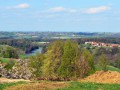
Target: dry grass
111,77
39,86
5,80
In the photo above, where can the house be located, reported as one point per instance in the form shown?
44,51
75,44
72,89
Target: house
100,44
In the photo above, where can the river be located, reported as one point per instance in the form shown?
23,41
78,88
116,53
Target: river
35,51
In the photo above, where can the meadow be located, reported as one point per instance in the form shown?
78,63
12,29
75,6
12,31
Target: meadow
59,86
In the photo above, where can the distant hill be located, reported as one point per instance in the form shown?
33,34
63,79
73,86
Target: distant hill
50,35
97,34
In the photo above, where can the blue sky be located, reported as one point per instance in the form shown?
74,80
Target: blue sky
60,15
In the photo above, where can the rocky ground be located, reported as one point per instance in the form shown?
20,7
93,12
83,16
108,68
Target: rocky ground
19,71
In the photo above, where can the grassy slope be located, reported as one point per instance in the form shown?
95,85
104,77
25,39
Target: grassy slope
111,68
91,86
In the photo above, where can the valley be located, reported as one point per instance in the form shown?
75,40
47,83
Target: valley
61,64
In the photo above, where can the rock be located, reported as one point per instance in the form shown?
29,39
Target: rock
19,71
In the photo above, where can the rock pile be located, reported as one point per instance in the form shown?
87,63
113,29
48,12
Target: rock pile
19,71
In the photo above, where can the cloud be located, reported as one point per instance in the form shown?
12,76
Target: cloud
97,9
22,6
72,10
57,9
62,9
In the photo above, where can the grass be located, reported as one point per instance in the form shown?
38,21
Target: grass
4,60
59,86
5,85
111,68
23,56
37,86
91,86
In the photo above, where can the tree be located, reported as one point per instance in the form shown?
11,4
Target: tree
53,59
63,60
117,61
8,52
35,64
67,67
103,62
100,50
86,63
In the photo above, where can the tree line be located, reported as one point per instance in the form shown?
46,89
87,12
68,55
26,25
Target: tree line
24,44
104,40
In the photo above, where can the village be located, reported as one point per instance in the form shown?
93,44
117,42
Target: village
100,44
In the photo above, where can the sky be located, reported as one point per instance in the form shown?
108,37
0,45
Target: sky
60,15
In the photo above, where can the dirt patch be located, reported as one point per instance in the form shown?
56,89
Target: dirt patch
111,77
39,86
5,80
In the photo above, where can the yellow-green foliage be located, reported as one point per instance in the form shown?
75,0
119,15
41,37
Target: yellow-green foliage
8,52
67,68
35,64
103,62
63,60
52,60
